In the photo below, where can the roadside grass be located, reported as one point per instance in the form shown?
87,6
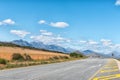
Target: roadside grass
21,61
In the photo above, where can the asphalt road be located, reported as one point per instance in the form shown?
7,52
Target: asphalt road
72,70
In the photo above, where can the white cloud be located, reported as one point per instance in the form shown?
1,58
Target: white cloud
7,22
55,24
42,38
19,33
45,32
50,38
59,24
92,42
106,42
0,23
117,3
105,46
42,22
82,41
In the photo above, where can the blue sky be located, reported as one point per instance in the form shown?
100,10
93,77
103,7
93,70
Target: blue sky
62,22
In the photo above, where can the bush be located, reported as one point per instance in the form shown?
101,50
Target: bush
44,62
17,56
56,57
3,61
27,57
76,55
64,57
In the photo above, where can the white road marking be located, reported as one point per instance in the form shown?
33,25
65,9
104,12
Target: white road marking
118,63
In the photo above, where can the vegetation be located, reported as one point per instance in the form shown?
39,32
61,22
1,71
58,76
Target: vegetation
59,57
17,56
64,57
25,60
27,57
21,60
76,55
8,44
3,61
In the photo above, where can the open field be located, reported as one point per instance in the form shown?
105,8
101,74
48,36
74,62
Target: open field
6,53
37,57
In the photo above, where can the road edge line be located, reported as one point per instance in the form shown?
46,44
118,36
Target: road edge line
96,72
118,63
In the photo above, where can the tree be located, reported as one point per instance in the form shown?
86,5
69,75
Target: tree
27,57
17,56
112,54
75,55
3,61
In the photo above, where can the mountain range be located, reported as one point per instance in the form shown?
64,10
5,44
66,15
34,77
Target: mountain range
41,45
87,52
90,53
113,54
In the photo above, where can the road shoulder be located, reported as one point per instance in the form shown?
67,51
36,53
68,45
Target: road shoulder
118,63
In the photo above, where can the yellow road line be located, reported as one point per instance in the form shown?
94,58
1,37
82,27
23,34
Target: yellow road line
113,70
110,66
96,73
107,77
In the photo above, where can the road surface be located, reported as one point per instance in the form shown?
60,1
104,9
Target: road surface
87,69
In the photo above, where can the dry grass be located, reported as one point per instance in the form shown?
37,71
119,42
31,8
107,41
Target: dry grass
6,53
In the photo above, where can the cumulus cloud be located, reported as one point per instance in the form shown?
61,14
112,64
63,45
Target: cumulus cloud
106,42
45,32
42,22
92,42
105,46
54,24
49,38
117,3
20,33
7,22
82,41
59,24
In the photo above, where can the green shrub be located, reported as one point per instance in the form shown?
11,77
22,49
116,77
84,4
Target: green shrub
44,62
27,57
56,57
17,56
76,55
3,61
10,66
64,57
51,58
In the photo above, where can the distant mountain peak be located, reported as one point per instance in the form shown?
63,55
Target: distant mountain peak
21,42
86,52
41,45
